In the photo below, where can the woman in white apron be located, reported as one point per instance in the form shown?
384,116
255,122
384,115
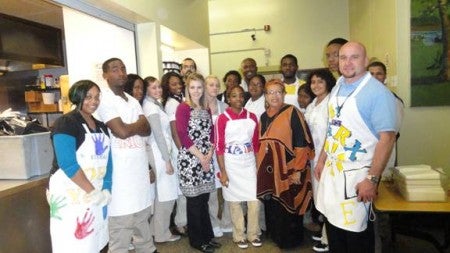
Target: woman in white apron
236,144
172,96
320,82
212,87
80,184
163,149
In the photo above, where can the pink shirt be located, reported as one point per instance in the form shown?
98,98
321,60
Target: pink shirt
182,115
221,124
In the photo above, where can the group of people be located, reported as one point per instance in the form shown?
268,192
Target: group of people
283,154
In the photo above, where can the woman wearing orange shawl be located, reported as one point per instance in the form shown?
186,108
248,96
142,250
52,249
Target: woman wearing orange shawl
284,179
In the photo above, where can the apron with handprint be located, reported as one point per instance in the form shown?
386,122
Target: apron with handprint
76,226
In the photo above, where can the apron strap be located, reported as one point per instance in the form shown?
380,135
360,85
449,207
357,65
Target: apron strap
86,128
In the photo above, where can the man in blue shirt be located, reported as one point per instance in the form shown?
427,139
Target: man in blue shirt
361,133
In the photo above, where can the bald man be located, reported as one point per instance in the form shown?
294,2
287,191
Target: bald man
362,129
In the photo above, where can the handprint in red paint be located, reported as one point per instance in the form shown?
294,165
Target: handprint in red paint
83,227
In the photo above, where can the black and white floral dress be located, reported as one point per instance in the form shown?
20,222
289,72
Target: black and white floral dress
193,180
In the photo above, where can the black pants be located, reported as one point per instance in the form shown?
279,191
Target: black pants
343,241
284,228
200,230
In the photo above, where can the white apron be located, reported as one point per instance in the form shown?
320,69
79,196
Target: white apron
166,185
350,146
317,119
74,225
131,189
240,162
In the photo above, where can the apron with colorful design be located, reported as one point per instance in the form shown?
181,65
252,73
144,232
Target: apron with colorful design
350,146
240,163
76,226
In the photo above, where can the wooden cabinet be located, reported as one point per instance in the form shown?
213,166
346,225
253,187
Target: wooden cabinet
25,216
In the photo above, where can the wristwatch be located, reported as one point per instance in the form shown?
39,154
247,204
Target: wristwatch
373,179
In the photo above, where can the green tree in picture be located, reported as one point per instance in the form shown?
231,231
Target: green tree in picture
430,85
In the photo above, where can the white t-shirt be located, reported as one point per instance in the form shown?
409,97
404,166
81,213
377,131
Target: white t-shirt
171,108
257,107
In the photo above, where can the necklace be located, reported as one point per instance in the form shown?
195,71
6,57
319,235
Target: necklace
339,107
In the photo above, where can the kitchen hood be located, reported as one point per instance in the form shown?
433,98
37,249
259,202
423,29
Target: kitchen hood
28,45
10,66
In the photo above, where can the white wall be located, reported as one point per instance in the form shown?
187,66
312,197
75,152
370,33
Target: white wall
200,56
300,27
149,53
90,41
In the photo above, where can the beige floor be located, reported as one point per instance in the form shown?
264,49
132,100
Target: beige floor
403,245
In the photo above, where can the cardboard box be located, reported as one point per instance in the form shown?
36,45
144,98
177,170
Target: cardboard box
25,156
33,96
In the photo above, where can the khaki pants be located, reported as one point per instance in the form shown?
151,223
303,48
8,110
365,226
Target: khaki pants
160,223
136,226
237,217
180,215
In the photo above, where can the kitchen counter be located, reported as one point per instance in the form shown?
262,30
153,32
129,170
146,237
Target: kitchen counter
24,216
9,186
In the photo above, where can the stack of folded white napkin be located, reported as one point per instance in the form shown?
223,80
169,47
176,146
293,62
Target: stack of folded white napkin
420,183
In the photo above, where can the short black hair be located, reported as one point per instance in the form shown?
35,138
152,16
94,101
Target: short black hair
234,73
228,93
79,90
290,56
326,75
339,41
105,66
307,89
129,84
190,59
377,64
261,77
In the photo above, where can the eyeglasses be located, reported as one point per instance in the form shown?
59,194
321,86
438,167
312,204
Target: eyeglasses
274,92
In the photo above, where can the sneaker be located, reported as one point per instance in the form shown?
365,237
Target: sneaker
172,238
243,244
130,246
227,230
257,243
320,247
217,232
317,237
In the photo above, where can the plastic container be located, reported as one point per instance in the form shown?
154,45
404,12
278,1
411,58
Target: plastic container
49,81
48,98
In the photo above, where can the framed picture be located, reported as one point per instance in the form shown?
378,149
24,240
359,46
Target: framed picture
430,73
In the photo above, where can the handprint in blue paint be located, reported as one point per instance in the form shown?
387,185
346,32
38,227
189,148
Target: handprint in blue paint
99,141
